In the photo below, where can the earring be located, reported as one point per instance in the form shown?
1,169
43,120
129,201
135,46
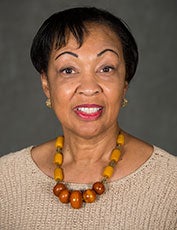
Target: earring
124,102
48,103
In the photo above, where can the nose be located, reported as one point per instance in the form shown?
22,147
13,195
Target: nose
89,86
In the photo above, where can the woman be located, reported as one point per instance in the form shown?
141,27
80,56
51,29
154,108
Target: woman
101,177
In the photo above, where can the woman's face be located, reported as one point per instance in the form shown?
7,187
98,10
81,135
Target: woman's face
86,84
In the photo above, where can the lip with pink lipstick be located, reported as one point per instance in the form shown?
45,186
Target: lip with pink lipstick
88,112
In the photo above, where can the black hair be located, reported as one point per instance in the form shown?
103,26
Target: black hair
57,27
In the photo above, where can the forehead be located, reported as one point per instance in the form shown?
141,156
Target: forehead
95,36
102,33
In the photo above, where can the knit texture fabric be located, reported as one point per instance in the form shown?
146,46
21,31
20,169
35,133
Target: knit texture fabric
143,200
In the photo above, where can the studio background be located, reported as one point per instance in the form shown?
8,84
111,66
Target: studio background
152,110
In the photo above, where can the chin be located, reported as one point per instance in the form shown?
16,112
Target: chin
83,131
87,134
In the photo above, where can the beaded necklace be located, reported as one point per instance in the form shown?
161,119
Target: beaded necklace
77,197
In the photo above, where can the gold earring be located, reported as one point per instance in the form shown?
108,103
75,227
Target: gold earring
124,102
48,103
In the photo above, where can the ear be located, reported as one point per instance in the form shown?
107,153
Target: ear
125,89
45,85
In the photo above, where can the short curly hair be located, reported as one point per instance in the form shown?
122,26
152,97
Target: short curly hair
74,20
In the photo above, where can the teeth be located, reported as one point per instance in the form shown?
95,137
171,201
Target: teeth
88,110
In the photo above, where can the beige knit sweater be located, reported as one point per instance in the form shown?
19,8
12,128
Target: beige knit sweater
146,199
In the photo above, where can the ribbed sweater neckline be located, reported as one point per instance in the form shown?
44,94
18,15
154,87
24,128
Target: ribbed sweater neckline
145,166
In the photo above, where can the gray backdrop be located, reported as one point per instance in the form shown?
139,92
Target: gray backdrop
151,112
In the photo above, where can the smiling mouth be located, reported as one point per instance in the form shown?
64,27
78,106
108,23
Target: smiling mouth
88,112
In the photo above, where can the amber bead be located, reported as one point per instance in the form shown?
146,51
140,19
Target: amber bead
120,139
58,188
89,196
58,158
108,171
64,196
76,199
58,174
99,188
115,155
59,142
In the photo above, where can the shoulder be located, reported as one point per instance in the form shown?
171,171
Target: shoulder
15,155
159,155
160,166
165,161
165,157
14,160
160,173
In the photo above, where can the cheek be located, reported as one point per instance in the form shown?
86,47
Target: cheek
116,91
61,93
117,88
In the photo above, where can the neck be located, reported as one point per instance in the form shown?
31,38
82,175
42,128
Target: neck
89,150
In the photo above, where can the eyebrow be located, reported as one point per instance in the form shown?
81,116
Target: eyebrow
106,50
67,52
98,55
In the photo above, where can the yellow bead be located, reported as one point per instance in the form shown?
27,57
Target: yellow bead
58,158
120,139
108,171
115,155
58,174
59,142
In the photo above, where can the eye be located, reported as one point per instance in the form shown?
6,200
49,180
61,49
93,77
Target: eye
68,70
107,69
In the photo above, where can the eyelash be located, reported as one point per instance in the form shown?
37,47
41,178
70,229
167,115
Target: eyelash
64,70
109,68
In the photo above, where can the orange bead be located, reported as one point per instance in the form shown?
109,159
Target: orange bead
58,188
99,188
76,199
64,196
59,142
115,155
120,139
89,195
58,158
58,174
108,171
